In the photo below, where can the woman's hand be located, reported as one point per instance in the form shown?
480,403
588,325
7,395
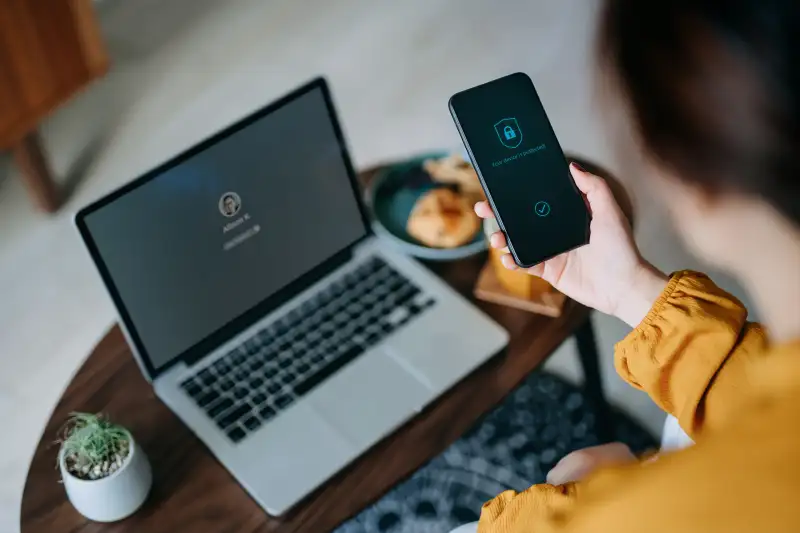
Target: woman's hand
608,274
580,463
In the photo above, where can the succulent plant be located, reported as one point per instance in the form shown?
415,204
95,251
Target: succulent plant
93,447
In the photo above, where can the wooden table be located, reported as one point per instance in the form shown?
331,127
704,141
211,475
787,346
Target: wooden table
192,492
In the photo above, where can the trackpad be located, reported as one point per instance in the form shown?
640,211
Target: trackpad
369,398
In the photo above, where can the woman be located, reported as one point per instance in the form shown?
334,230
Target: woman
713,92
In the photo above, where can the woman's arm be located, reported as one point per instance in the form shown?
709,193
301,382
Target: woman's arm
692,352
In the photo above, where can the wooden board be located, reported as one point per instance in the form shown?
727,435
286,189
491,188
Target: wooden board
488,288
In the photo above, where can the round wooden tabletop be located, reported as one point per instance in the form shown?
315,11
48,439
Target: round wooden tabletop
192,492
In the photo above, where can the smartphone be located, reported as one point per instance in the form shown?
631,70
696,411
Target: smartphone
522,168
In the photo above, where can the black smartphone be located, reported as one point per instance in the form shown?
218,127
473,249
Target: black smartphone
522,168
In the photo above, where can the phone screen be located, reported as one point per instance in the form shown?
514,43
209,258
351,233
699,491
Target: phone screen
522,168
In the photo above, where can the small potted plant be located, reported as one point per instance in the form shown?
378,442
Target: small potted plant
106,475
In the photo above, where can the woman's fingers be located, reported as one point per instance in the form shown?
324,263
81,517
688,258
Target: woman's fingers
498,241
508,262
483,210
578,464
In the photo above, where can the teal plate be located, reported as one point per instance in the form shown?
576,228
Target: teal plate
392,196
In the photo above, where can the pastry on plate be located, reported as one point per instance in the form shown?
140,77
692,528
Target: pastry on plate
443,218
453,170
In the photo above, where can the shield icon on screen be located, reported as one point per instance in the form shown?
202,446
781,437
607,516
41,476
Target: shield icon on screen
508,132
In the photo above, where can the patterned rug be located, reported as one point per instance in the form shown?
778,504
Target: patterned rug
513,447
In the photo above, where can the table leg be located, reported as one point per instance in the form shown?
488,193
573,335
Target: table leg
593,382
30,157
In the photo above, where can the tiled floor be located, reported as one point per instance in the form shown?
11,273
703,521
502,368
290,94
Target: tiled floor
185,68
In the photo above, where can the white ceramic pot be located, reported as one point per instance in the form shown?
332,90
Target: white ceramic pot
113,497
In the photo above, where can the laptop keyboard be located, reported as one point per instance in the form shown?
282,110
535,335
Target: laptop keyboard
251,384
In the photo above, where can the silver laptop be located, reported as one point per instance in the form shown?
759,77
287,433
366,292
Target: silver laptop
264,311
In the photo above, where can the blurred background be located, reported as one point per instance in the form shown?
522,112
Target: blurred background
180,70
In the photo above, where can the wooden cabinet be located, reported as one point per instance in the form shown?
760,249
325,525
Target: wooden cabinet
49,50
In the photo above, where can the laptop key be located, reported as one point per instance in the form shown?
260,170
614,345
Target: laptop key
337,289
325,372
405,298
283,401
373,338
251,344
209,379
240,392
207,398
397,315
236,434
220,407
266,413
274,388
252,423
233,416
259,398
225,384
192,389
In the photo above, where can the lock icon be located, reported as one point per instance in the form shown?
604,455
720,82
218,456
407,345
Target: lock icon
509,132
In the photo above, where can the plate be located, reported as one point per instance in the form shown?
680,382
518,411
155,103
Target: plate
392,196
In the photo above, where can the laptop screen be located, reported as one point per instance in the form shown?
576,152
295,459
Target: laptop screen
213,236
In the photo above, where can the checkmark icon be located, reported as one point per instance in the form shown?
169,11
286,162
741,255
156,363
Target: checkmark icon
542,209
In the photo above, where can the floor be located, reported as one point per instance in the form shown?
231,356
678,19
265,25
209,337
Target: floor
185,68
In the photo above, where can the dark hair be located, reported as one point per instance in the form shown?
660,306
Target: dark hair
714,90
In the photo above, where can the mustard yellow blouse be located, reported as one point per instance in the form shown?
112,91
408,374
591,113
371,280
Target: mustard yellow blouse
739,398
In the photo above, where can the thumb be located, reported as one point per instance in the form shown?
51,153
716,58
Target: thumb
597,192
586,182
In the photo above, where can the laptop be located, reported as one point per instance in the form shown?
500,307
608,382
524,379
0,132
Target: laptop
264,311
